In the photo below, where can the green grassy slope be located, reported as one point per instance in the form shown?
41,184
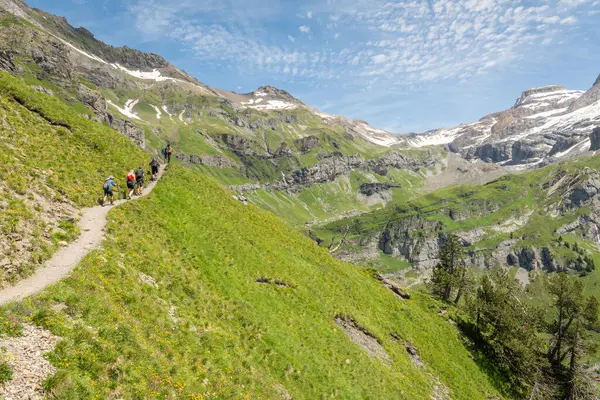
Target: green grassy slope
233,337
52,160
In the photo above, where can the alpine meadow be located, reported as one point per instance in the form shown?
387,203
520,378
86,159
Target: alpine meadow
163,238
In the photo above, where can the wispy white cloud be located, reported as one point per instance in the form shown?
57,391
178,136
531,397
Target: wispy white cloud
568,20
403,42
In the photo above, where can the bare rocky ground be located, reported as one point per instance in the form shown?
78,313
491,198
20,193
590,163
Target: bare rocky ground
25,354
362,337
440,390
458,171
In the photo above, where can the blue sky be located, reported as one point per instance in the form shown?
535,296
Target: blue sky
405,66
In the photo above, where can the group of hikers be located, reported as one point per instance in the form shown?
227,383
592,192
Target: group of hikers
135,178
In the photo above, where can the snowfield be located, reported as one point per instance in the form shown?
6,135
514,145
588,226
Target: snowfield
440,137
374,135
152,75
563,122
270,105
548,113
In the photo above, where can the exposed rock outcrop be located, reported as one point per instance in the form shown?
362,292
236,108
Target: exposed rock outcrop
394,287
6,62
236,143
94,100
370,189
210,160
307,143
52,56
563,144
583,193
525,151
409,238
595,139
494,152
327,170
588,98
128,129
42,89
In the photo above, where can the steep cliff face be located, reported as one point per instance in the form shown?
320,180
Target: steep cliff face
517,220
595,139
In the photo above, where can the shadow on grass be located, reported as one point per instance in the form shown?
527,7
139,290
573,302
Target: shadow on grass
486,359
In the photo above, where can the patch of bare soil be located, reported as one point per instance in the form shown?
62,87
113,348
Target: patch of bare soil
275,281
362,337
25,354
22,243
283,393
414,355
440,390
459,171
391,284
410,349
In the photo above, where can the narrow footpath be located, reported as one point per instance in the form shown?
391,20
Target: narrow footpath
91,226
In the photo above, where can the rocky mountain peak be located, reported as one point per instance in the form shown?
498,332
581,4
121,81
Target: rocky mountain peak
85,32
597,81
533,92
265,98
274,93
543,89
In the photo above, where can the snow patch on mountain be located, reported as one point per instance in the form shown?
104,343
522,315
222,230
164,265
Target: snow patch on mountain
88,55
435,138
128,110
181,117
374,135
323,115
550,113
158,112
154,75
270,105
164,108
581,146
252,102
564,122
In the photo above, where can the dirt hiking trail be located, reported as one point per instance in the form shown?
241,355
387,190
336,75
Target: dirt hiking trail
91,225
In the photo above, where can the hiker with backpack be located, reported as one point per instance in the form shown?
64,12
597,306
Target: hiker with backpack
139,179
109,185
154,167
168,152
130,184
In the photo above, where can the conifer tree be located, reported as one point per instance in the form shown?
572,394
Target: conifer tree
571,338
450,274
508,326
